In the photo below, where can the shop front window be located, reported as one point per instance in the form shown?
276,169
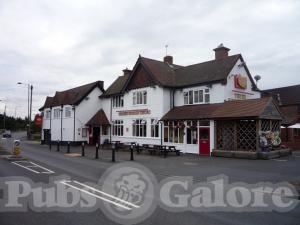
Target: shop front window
139,128
173,132
154,128
192,132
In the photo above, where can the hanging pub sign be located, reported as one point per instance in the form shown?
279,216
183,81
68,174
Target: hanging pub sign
240,81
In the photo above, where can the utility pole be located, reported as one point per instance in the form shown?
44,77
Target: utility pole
4,115
29,107
31,87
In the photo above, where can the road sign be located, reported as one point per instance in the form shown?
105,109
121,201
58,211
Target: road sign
16,148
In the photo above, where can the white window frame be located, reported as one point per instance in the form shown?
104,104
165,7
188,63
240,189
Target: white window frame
68,111
118,128
154,128
118,101
240,96
56,113
139,128
198,96
48,114
139,97
173,129
84,132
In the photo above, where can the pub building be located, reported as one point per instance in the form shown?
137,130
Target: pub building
213,105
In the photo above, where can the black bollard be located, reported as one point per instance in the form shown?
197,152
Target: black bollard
113,153
165,152
68,149
97,151
57,146
50,145
131,153
138,148
82,149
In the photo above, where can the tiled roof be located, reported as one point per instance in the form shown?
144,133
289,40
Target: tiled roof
287,95
177,76
98,119
291,114
253,108
116,87
72,96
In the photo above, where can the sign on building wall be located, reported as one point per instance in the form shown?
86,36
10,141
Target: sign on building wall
38,120
134,112
240,81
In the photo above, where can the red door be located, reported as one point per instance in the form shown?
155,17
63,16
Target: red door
204,145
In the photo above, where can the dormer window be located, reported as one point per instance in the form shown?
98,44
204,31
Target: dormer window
196,96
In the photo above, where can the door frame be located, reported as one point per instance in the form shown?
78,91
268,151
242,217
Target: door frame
208,139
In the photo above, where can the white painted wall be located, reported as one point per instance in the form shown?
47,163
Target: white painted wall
157,102
229,88
83,113
217,93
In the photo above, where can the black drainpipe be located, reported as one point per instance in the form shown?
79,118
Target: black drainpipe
110,131
161,132
173,93
74,125
50,124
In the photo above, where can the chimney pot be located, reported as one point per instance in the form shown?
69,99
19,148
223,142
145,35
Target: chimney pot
168,59
126,71
221,52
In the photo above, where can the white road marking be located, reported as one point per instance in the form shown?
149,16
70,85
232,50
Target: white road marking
111,196
47,170
279,160
113,200
25,167
30,165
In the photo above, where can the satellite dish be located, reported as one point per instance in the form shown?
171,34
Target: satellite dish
257,77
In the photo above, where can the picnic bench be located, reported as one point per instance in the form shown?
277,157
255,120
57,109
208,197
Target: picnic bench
161,149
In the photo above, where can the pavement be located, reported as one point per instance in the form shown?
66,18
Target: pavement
89,169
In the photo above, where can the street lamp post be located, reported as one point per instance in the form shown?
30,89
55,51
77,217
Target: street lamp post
29,108
4,115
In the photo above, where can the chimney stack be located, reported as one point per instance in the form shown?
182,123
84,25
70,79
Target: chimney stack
221,52
168,59
126,71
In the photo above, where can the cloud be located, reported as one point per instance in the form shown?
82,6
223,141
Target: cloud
59,44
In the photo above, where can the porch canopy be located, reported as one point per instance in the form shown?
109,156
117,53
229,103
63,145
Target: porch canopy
98,119
238,123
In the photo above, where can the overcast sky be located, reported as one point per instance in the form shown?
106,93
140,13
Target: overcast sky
59,44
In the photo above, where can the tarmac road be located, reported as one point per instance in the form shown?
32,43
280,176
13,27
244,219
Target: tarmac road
88,170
